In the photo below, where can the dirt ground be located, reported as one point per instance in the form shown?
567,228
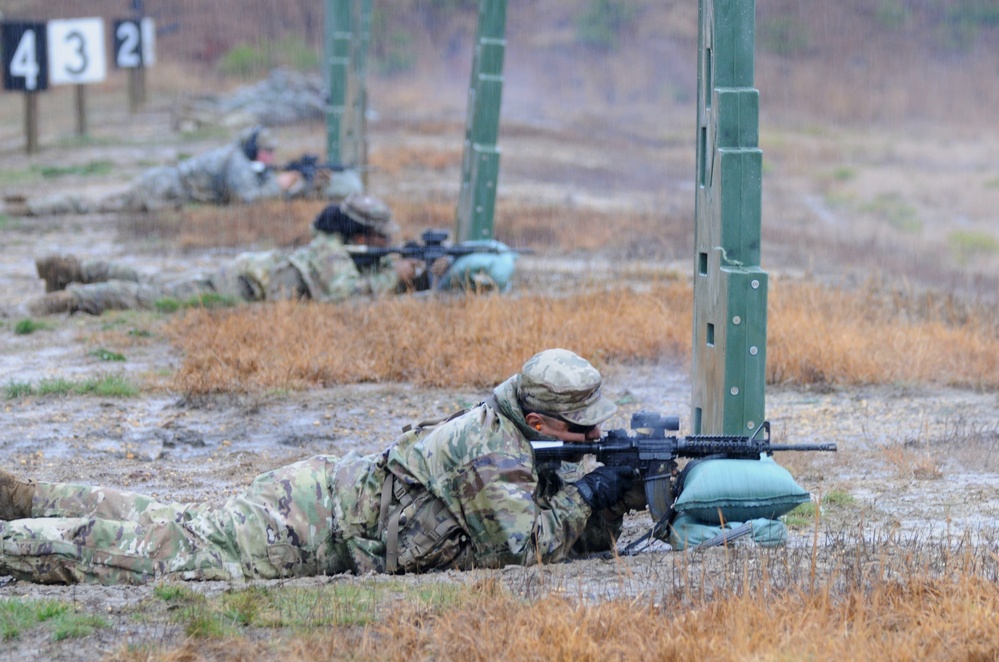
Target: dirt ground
918,461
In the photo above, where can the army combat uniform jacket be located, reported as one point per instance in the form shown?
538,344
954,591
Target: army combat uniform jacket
460,494
321,270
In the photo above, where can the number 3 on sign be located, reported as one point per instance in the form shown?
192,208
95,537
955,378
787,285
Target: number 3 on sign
76,51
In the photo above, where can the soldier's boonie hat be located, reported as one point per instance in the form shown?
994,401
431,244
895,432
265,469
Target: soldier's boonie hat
565,385
370,212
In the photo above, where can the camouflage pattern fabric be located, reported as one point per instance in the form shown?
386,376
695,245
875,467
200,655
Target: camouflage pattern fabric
481,467
324,266
279,527
220,176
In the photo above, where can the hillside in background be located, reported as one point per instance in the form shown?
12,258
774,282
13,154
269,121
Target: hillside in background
847,61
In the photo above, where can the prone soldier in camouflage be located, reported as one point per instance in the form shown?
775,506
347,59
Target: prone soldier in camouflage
322,270
240,172
461,493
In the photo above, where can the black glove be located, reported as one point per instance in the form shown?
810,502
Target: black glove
604,486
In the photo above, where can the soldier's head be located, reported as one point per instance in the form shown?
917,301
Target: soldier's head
359,219
258,144
559,393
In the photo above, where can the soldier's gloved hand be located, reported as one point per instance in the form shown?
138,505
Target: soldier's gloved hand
604,486
440,266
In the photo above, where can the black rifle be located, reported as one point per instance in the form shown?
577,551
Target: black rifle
432,248
652,453
309,165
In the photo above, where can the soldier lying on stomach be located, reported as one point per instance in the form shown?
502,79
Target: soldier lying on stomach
460,493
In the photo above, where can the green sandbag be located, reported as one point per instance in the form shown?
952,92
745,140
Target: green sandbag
482,271
687,532
738,491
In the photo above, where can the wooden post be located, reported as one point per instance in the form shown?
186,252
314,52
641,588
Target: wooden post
31,121
81,110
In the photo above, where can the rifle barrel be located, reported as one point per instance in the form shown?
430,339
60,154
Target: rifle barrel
829,446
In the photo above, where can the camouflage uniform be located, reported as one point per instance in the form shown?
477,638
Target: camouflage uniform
322,270
460,494
219,176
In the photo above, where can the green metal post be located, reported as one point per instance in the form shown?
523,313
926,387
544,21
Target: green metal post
353,129
480,161
730,289
338,55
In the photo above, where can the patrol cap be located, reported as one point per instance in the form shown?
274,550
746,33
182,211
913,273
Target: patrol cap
370,212
564,384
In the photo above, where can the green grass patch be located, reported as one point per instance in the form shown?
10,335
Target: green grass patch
107,385
167,305
801,517
992,183
248,60
206,300
844,174
140,333
56,386
26,327
838,498
107,355
892,208
603,22
968,244
110,386
783,36
63,622
91,169
211,300
13,390
300,608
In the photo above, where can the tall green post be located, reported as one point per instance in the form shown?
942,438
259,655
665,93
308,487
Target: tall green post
338,56
730,289
354,149
480,161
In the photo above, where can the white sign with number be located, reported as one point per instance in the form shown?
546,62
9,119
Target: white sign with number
77,51
148,42
135,43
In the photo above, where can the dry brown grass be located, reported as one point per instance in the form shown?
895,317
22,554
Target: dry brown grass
266,223
403,157
884,611
817,336
473,341
823,335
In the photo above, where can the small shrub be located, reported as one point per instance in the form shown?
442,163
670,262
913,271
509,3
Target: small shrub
28,326
167,305
250,61
13,390
174,593
56,386
602,23
892,14
92,169
783,36
802,516
114,386
967,244
211,300
107,355
395,55
892,208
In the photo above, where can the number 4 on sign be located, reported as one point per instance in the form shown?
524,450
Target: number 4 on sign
24,56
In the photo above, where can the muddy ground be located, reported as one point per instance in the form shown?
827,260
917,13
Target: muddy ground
919,462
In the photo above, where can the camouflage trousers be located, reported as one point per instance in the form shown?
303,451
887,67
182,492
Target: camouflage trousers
281,526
